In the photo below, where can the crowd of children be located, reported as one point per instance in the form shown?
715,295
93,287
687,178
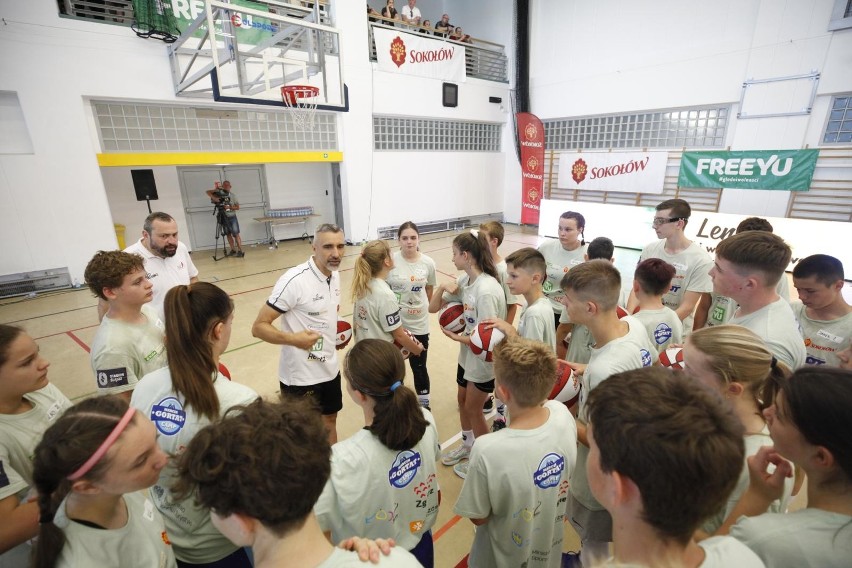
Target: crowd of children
650,467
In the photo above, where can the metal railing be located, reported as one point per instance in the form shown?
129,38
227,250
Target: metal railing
483,59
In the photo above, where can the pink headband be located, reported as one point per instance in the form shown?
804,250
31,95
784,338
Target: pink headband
105,445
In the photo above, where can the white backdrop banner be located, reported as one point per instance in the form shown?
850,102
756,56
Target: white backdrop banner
415,54
630,227
630,172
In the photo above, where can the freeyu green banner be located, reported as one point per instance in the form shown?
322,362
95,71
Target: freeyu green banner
789,170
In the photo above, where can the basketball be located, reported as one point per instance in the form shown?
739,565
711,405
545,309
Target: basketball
405,352
567,387
344,334
621,312
672,358
451,317
483,341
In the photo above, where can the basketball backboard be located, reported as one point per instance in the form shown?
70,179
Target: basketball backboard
244,51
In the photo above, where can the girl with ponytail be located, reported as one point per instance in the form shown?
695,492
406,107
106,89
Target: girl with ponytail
735,362
561,255
29,404
375,313
183,398
89,470
390,462
481,293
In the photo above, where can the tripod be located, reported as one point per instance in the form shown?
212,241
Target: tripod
223,229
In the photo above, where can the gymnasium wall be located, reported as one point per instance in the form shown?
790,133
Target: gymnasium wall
619,56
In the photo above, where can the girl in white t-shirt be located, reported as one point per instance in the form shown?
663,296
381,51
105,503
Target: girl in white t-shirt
90,469
412,279
28,405
183,398
375,313
390,461
733,361
561,255
809,422
481,293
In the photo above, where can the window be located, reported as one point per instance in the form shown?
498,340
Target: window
426,134
838,128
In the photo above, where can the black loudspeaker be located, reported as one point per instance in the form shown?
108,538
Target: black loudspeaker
451,95
143,183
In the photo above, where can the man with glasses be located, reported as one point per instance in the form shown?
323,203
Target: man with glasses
691,263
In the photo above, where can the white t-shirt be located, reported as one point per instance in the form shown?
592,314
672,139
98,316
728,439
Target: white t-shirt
692,273
537,323
722,308
559,261
123,353
307,299
823,338
518,479
190,529
409,280
777,326
482,299
141,543
663,326
19,435
631,351
807,538
376,492
753,443
376,315
349,559
165,273
409,13
727,552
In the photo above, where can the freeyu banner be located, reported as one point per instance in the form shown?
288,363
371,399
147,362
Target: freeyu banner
415,54
631,172
788,170
531,139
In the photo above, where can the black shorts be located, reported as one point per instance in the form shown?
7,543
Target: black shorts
327,395
486,387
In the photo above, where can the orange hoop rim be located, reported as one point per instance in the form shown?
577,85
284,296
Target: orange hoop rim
291,93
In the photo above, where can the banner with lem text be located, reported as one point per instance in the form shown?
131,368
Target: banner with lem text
531,137
631,172
415,54
788,170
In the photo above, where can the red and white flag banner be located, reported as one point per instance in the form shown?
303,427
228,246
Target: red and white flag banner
531,136
416,54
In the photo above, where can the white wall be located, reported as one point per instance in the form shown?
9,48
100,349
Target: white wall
297,185
627,55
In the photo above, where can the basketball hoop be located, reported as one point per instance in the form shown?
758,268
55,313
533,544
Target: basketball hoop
301,102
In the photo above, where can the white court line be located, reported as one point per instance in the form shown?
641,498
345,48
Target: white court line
458,434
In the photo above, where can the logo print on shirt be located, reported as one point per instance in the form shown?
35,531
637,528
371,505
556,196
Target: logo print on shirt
404,468
549,471
646,357
168,416
662,333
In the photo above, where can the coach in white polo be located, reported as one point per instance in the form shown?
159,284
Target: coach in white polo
306,299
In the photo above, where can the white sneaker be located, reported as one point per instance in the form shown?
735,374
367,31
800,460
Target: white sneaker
460,468
453,457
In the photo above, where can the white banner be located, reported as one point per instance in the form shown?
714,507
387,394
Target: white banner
416,54
630,172
630,227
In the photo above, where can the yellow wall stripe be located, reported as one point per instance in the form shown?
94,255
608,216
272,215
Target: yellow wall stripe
214,158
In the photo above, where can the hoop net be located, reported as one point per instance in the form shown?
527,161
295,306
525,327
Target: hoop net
301,103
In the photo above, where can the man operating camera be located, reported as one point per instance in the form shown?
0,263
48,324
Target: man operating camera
223,197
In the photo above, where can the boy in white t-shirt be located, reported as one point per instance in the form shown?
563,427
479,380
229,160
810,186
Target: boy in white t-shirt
241,466
689,259
822,312
516,487
130,341
526,271
747,268
591,292
661,488
652,279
